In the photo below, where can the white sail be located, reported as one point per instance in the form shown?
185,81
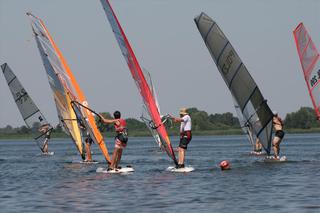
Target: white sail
30,113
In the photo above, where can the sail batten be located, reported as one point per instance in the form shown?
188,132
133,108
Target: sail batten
138,76
252,107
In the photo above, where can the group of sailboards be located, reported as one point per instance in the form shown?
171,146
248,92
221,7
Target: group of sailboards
78,121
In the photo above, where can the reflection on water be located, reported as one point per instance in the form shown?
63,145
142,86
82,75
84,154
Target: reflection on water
30,182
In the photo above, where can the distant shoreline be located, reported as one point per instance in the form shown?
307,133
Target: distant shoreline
171,133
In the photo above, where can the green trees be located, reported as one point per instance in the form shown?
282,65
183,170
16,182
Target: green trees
202,123
304,118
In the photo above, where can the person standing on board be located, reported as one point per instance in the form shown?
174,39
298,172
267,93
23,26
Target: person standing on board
45,129
258,146
278,126
88,142
121,138
185,134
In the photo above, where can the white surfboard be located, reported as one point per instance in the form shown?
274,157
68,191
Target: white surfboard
256,153
89,162
272,159
48,153
124,170
185,169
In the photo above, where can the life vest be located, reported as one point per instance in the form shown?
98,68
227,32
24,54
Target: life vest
121,127
121,130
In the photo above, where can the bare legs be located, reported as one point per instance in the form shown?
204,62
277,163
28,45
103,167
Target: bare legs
182,153
116,157
88,152
276,146
45,146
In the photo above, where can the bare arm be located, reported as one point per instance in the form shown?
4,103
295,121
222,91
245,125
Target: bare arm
108,121
176,119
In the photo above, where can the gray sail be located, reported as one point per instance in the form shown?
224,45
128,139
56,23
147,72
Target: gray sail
31,114
246,129
243,88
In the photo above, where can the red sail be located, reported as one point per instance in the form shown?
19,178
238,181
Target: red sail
309,58
139,78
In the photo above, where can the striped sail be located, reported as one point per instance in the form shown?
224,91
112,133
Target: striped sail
309,59
243,88
30,113
139,78
66,89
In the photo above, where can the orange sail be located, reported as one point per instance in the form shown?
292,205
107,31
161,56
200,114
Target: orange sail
66,77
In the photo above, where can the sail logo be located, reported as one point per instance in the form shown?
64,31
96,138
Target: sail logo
228,62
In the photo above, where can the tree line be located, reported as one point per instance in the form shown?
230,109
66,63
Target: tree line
304,118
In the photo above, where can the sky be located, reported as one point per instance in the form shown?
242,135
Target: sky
166,42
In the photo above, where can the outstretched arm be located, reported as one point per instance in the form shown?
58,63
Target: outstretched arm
107,121
175,119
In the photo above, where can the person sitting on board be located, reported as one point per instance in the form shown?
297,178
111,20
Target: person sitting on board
278,126
121,138
45,129
185,134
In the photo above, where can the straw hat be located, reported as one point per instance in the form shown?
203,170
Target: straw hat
183,111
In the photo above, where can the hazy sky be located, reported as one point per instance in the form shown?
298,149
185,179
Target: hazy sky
166,42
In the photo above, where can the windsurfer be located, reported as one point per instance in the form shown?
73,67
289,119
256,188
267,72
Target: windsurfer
258,146
88,140
45,129
121,138
278,126
185,134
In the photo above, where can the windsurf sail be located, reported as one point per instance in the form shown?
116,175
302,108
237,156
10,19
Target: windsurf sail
140,80
145,115
246,128
309,59
68,95
30,113
243,88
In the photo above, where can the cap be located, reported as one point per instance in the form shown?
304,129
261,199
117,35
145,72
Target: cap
183,111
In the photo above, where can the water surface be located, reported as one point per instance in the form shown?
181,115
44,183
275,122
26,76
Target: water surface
30,182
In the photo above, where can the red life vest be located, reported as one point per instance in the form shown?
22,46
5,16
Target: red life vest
122,125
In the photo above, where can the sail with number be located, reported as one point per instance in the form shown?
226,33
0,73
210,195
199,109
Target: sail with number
71,102
140,80
30,113
310,62
243,88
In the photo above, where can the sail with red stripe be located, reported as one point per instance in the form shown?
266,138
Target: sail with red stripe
140,80
71,93
309,59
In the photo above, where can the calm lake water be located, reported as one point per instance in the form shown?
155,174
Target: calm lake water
30,182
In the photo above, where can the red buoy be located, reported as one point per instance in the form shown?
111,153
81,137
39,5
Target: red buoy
225,165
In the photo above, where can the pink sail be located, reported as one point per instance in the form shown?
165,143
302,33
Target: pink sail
309,58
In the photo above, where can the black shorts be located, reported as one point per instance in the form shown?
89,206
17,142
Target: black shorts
89,140
279,134
123,137
185,140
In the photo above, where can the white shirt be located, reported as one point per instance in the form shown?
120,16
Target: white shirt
185,124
